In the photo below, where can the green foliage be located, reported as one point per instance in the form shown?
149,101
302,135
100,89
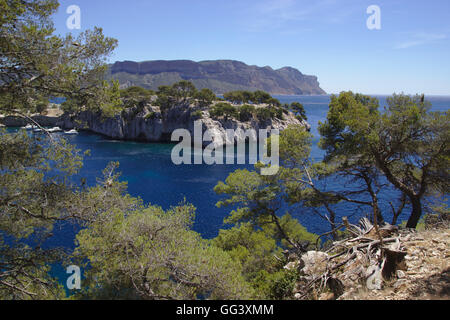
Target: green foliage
239,97
183,90
236,97
35,191
197,114
165,90
278,113
259,234
278,285
272,102
165,102
263,114
268,113
223,109
255,250
246,112
261,97
133,96
407,144
179,93
41,106
136,93
291,227
299,110
111,104
205,97
37,64
295,146
149,253
347,121
257,200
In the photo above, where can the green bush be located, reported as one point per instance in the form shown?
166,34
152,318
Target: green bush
263,114
246,112
278,112
165,102
279,285
239,96
247,97
183,90
225,110
205,97
180,92
299,110
197,114
136,93
261,97
274,102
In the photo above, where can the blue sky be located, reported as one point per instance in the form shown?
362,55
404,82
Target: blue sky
327,38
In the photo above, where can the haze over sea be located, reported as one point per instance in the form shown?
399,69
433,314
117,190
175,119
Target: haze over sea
151,175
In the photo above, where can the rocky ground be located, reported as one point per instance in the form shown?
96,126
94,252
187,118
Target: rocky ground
388,264
427,274
149,125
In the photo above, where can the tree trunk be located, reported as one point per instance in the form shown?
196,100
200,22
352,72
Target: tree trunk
416,213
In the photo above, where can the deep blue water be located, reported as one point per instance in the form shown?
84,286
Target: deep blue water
152,176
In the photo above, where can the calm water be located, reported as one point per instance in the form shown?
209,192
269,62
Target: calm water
152,176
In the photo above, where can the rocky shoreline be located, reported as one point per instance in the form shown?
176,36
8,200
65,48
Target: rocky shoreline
148,124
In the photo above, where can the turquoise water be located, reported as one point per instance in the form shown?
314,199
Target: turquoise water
152,176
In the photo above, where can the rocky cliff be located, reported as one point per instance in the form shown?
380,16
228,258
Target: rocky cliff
149,125
219,75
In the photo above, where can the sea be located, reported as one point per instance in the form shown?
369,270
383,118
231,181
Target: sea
151,175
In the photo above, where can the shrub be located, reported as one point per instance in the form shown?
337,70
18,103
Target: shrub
278,113
165,102
263,114
273,102
136,93
246,112
300,110
205,97
261,97
225,110
234,96
197,114
183,90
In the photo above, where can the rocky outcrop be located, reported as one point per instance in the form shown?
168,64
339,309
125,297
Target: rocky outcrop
149,125
219,75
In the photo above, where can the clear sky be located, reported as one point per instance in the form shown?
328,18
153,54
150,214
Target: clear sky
326,38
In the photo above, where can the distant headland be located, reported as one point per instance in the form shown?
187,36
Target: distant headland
218,75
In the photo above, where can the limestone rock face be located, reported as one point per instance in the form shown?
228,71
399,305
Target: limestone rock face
149,125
